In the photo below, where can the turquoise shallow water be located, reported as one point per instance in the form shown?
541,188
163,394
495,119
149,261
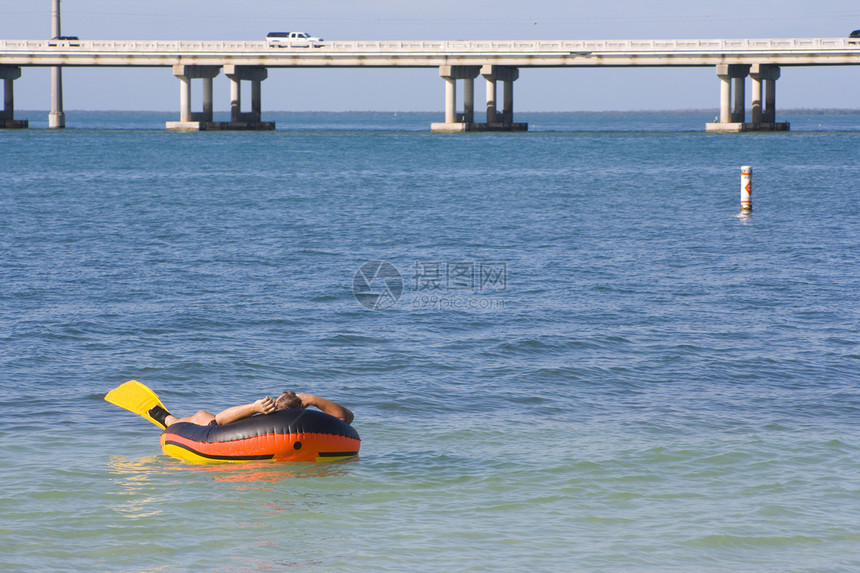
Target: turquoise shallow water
593,363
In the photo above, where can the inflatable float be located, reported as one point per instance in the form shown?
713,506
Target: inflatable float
285,435
296,435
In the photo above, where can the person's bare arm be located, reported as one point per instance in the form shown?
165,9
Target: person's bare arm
327,406
262,406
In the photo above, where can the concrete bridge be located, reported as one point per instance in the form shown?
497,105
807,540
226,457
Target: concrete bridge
463,61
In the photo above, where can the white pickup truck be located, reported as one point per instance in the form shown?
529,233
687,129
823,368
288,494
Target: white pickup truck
293,40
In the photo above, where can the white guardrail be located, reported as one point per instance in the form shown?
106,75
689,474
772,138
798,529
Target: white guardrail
787,45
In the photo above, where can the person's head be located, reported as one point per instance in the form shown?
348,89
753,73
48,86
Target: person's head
288,400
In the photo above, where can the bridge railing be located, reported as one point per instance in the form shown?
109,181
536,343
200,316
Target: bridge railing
454,46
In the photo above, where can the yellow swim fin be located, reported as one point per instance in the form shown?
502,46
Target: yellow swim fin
137,398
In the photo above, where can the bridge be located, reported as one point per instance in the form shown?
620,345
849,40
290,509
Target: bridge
496,61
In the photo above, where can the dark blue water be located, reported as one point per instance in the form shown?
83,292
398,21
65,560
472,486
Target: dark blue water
592,359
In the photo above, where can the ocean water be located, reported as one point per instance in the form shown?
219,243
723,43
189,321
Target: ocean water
580,357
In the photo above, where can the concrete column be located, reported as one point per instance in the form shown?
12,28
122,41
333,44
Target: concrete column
769,113
739,109
184,99
208,111
7,115
450,100
725,99
256,100
56,118
469,100
508,113
756,99
235,98
492,114
8,99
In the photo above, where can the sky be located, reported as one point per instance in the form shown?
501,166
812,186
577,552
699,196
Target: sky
626,89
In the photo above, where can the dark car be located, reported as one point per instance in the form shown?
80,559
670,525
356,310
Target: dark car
854,37
64,41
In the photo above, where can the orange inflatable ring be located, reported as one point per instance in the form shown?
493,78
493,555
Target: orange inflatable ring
285,435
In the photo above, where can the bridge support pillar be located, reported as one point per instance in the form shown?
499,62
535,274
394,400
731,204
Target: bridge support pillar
503,121
508,110
7,116
492,110
450,100
458,121
57,117
739,112
755,101
469,100
764,117
732,111
465,121
188,120
246,120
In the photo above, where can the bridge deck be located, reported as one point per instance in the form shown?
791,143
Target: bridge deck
561,53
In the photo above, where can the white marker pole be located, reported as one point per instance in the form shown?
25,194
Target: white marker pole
746,189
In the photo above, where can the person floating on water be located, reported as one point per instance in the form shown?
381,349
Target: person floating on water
137,398
267,405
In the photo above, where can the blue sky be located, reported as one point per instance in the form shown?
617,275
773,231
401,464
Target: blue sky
422,89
